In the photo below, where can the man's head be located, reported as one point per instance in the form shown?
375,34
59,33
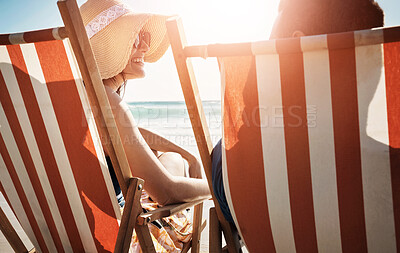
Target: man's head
311,17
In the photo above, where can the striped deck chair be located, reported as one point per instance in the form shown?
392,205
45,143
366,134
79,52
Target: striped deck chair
53,171
311,140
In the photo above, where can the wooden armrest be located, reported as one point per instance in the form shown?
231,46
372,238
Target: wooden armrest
165,211
133,218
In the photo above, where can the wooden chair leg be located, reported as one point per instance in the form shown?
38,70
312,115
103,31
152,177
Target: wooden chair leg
197,220
10,234
144,236
233,246
132,210
215,236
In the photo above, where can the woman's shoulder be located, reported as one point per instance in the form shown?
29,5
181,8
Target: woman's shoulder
119,107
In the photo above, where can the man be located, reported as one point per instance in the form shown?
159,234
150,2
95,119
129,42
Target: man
302,18
312,17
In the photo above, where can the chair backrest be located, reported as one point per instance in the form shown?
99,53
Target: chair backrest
52,166
311,141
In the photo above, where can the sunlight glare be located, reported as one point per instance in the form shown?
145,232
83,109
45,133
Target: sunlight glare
205,22
222,21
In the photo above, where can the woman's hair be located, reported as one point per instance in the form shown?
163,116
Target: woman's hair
314,17
122,87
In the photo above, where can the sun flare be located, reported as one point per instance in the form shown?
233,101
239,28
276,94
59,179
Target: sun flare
210,21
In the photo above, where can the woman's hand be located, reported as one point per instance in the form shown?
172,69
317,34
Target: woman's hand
194,168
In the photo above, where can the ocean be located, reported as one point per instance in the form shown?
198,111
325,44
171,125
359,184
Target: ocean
170,119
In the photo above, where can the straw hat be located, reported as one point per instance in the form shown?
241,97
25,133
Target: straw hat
113,27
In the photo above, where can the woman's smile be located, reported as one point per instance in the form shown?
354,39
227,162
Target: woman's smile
138,60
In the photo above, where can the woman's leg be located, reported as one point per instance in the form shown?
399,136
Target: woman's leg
173,162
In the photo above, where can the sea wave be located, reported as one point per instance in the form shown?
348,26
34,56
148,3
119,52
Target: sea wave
171,119
173,109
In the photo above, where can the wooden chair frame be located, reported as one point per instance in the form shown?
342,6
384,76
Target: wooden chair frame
9,232
131,187
182,54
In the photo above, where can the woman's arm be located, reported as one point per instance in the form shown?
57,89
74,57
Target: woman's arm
159,143
161,185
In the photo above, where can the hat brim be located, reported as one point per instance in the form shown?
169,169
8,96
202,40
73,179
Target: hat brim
112,46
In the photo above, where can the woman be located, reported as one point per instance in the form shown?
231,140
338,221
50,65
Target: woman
122,41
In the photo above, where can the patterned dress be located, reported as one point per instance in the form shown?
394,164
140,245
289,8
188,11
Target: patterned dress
175,230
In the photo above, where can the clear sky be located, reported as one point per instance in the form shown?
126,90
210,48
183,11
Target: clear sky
205,21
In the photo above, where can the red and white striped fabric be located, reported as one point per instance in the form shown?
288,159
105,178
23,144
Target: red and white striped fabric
52,167
311,137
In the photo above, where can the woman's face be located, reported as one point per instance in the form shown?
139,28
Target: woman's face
135,67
